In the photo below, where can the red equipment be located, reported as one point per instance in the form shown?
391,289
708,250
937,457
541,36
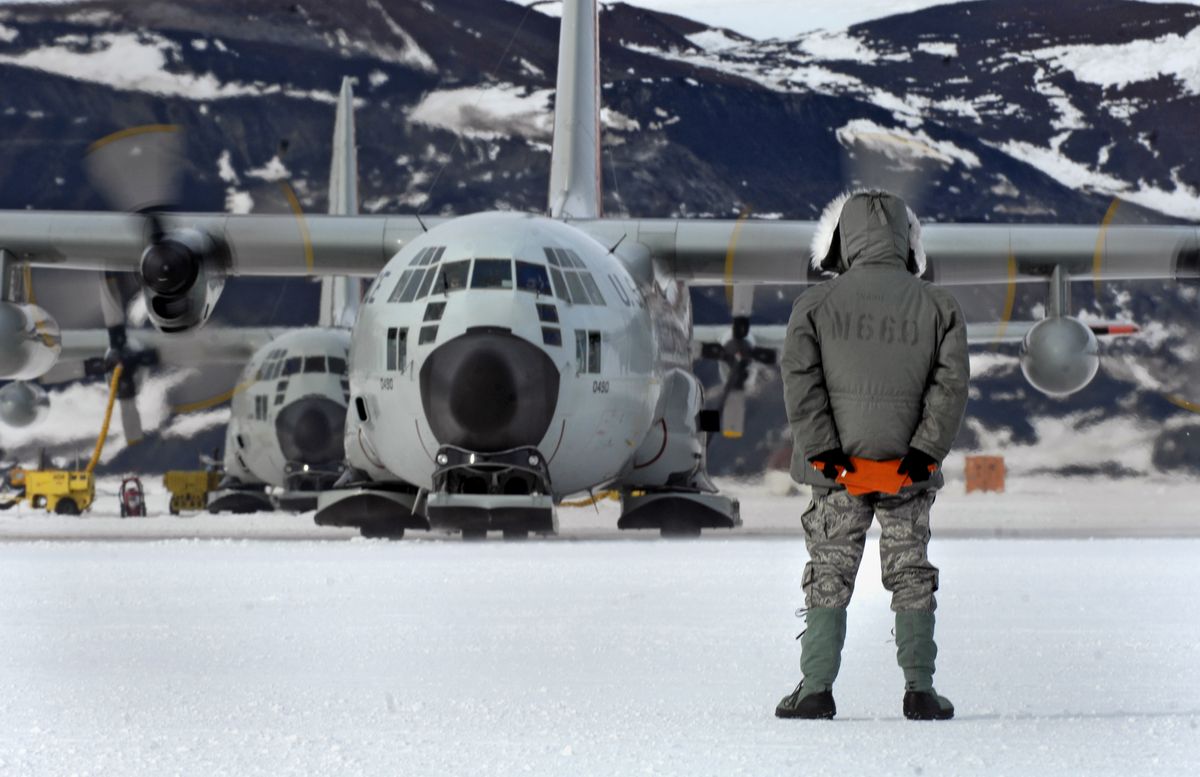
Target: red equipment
133,498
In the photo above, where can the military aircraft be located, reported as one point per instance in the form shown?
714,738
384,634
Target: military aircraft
288,407
502,361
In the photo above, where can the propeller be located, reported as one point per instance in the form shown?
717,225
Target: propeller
113,297
737,356
137,170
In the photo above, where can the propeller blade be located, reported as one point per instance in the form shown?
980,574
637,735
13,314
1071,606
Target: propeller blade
743,300
733,413
111,305
137,169
131,421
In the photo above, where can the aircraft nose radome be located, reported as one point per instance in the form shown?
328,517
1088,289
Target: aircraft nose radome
310,430
489,391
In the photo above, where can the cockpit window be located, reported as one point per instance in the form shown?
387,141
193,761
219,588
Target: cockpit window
533,277
314,363
573,259
427,284
291,366
421,256
592,289
552,256
453,277
578,295
405,277
337,365
410,291
492,274
560,286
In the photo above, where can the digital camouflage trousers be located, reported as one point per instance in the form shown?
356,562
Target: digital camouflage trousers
835,530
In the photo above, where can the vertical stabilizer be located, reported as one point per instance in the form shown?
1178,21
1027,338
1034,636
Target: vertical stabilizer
575,160
340,296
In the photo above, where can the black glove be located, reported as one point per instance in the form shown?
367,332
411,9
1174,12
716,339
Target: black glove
916,465
830,461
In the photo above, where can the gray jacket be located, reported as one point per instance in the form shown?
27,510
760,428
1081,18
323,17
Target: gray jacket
875,359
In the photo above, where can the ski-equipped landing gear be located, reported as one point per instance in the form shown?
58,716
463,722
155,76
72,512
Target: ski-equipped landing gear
677,513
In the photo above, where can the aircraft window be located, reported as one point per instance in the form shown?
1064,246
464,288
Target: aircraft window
594,352
428,335
492,274
552,256
620,292
337,365
592,289
410,291
420,258
533,277
397,349
314,363
279,399
405,277
578,295
453,277
551,336
361,406
580,351
548,314
434,311
291,366
281,385
560,286
437,255
426,284
574,259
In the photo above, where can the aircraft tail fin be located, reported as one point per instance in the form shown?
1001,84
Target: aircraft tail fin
340,296
575,160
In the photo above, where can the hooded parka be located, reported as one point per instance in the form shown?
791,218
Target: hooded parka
875,360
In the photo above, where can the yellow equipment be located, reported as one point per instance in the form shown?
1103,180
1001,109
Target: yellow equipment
190,488
60,491
69,492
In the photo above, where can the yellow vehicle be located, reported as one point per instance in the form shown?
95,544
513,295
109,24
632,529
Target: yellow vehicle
190,488
70,492
60,491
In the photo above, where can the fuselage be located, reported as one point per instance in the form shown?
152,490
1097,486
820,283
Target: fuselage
288,414
501,331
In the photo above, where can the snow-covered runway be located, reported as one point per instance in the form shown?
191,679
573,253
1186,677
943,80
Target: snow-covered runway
590,657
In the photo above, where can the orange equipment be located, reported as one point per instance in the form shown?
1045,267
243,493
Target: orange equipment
871,476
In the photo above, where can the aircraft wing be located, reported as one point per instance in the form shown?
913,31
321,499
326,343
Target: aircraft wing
698,251
751,251
257,244
772,336
197,347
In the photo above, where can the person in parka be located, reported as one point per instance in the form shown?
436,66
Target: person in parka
875,368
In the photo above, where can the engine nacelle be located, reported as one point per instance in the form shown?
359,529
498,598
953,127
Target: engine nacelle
1060,356
23,404
30,341
182,276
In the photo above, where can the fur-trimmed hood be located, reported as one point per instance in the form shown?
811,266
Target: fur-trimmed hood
904,243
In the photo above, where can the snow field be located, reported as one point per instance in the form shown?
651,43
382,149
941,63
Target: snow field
214,658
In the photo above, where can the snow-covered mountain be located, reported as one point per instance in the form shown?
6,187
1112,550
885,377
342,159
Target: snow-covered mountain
1010,110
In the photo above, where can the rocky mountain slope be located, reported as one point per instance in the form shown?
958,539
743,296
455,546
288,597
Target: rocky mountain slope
1008,110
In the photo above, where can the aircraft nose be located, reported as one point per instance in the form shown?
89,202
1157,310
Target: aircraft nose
489,391
310,430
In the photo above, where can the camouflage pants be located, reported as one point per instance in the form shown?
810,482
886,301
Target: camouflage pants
835,530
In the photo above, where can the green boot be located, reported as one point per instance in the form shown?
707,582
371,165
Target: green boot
820,659
915,652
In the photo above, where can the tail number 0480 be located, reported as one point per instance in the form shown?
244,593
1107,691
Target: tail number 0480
599,386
